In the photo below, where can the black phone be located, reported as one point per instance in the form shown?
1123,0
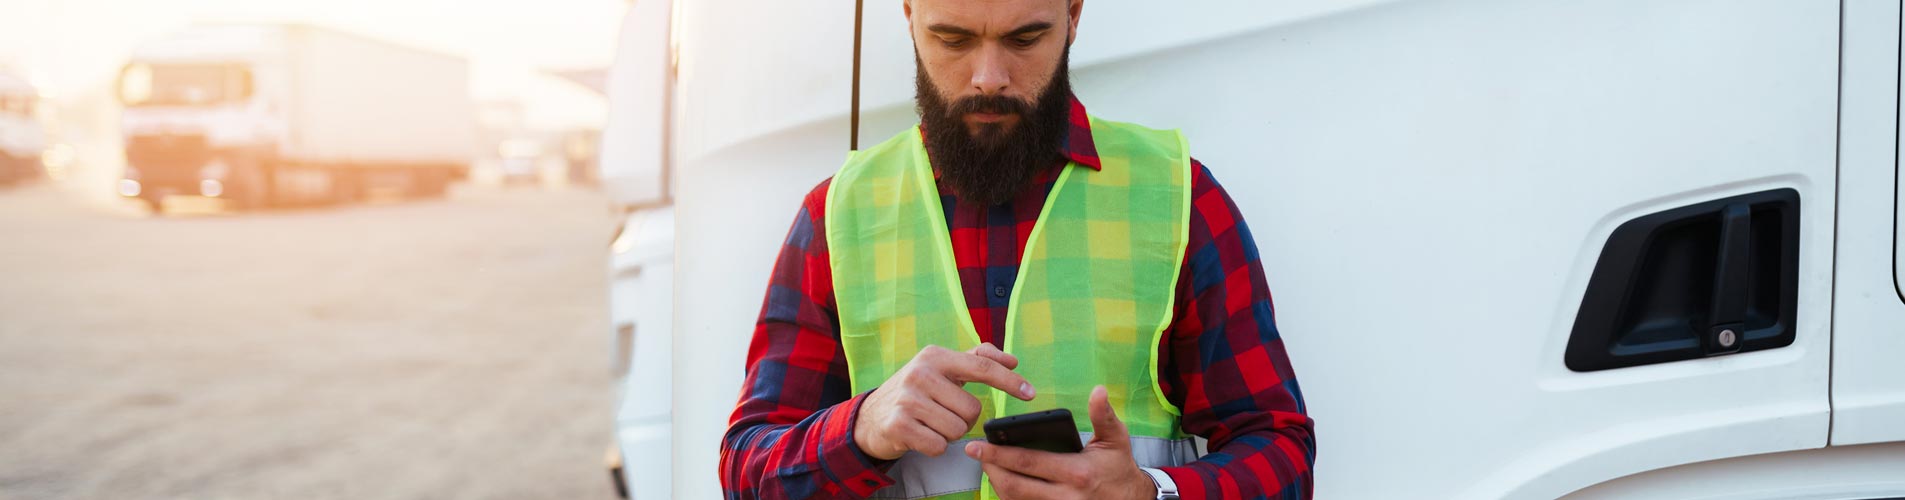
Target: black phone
1049,430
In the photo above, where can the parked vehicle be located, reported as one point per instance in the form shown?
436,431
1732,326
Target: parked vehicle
22,133
277,114
1524,250
634,162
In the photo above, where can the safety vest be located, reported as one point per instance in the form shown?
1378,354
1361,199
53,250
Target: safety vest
1094,293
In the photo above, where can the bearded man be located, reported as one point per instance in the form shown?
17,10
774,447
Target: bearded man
1013,254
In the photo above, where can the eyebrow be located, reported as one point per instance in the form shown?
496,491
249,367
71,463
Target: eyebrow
947,29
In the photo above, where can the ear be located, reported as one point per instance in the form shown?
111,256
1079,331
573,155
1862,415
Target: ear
1075,9
907,7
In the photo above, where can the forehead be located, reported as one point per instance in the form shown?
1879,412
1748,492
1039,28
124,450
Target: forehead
988,16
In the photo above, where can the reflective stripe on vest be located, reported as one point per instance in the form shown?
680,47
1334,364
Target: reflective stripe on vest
1094,293
953,475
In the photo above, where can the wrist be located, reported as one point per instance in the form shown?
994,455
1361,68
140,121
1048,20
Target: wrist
867,447
1146,489
862,435
1142,488
1159,484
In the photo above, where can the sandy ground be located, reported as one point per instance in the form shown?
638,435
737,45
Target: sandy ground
437,349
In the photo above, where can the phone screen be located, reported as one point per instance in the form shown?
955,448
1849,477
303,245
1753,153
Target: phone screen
1050,430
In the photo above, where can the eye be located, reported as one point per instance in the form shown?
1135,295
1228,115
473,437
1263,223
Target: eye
953,43
1024,41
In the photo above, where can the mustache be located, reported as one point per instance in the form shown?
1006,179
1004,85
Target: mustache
992,104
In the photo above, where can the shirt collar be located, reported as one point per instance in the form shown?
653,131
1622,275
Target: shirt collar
1077,144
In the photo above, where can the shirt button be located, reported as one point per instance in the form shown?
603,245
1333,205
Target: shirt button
998,291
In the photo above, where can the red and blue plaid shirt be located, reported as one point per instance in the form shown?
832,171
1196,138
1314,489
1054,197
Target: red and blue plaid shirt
1223,362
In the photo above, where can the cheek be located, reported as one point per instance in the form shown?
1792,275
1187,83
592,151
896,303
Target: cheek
1032,74
949,73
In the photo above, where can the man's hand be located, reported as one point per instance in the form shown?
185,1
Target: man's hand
925,406
1104,470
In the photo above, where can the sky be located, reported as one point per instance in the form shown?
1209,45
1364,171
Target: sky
69,47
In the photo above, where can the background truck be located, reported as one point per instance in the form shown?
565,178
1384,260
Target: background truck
1634,249
22,133
280,114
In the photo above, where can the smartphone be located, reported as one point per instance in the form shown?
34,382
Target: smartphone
1049,430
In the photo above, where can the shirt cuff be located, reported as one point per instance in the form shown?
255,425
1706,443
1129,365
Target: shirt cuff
843,460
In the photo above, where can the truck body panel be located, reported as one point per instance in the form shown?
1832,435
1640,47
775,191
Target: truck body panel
632,165
1515,137
344,86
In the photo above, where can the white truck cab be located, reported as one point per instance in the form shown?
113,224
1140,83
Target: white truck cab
1520,250
635,165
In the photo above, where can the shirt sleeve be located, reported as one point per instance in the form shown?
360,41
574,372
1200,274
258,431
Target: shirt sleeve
791,434
1223,363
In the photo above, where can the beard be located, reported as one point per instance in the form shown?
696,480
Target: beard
992,163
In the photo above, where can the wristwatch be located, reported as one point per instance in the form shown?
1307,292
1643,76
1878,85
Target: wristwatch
1167,489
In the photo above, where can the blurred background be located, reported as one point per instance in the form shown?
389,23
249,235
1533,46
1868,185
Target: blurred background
303,248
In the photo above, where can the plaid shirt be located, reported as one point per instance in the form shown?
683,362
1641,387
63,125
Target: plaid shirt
1222,362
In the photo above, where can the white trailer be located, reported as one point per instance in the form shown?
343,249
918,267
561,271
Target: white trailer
1502,234
281,113
22,133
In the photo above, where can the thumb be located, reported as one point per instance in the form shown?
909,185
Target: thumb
1105,426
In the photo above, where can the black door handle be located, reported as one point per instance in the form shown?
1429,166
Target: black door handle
1713,278
1728,316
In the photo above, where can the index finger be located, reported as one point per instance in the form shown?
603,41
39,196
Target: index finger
967,367
992,352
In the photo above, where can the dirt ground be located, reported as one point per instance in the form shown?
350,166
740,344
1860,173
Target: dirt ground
450,348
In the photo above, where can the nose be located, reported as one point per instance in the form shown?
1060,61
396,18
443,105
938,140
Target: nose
989,76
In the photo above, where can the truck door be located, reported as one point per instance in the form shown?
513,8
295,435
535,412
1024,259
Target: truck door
1539,245
1868,379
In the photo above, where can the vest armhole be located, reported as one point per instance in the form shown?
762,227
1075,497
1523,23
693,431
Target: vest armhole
1185,176
842,181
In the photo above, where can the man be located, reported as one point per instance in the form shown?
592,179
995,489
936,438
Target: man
1115,272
